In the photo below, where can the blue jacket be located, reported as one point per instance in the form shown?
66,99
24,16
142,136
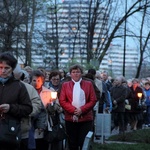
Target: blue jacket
147,92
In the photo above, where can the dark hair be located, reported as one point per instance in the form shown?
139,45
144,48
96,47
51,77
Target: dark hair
92,71
54,73
9,59
62,71
89,76
147,83
37,73
75,67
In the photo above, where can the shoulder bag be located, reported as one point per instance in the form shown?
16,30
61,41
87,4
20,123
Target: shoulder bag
10,130
54,133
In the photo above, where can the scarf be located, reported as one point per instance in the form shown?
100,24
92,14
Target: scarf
4,80
78,95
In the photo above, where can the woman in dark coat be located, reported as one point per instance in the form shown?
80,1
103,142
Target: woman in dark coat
136,112
14,99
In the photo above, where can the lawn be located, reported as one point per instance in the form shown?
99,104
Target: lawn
139,140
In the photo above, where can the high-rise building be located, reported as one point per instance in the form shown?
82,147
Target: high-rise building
113,61
66,35
67,31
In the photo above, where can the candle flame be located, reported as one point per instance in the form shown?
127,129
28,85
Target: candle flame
139,95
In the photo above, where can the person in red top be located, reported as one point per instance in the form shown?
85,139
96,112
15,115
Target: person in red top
77,98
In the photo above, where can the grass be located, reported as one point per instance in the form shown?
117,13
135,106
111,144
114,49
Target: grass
140,138
120,146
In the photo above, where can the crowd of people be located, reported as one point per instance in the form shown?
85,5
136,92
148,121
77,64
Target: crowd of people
26,95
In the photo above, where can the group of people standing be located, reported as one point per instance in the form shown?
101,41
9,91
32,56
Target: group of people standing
130,101
28,98
26,95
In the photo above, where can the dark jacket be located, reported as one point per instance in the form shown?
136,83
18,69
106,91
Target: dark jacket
14,93
118,93
134,100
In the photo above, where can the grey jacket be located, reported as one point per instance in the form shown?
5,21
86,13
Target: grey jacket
36,104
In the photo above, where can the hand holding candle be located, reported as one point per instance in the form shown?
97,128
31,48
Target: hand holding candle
139,95
53,95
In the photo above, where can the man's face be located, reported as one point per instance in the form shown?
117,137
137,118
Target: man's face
37,82
117,81
105,76
76,74
5,70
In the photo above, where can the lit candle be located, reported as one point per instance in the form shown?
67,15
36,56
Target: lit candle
139,95
53,95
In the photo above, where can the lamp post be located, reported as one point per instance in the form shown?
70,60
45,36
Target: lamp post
125,32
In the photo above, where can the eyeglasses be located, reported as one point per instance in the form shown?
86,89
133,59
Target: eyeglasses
55,79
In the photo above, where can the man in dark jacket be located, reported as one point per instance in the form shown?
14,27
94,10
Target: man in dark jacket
118,96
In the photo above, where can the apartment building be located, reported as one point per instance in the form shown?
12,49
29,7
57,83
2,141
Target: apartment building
66,37
113,61
68,31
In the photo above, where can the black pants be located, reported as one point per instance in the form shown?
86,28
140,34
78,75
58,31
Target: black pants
24,144
118,119
77,132
8,147
41,144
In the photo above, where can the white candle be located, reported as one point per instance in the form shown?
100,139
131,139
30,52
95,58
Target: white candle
53,95
139,95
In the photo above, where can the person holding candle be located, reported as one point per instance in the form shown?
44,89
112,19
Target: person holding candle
136,99
39,122
49,99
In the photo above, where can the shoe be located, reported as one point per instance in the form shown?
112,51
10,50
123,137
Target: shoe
148,125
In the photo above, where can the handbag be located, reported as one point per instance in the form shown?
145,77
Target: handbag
10,131
127,106
54,133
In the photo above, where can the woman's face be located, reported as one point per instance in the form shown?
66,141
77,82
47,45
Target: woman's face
55,80
135,84
37,82
76,74
5,70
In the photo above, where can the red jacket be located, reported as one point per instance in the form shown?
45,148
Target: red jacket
65,99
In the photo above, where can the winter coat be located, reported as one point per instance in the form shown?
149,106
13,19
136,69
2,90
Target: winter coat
118,93
147,92
134,99
37,105
66,97
40,121
14,93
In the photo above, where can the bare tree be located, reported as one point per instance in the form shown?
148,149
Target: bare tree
11,17
143,42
